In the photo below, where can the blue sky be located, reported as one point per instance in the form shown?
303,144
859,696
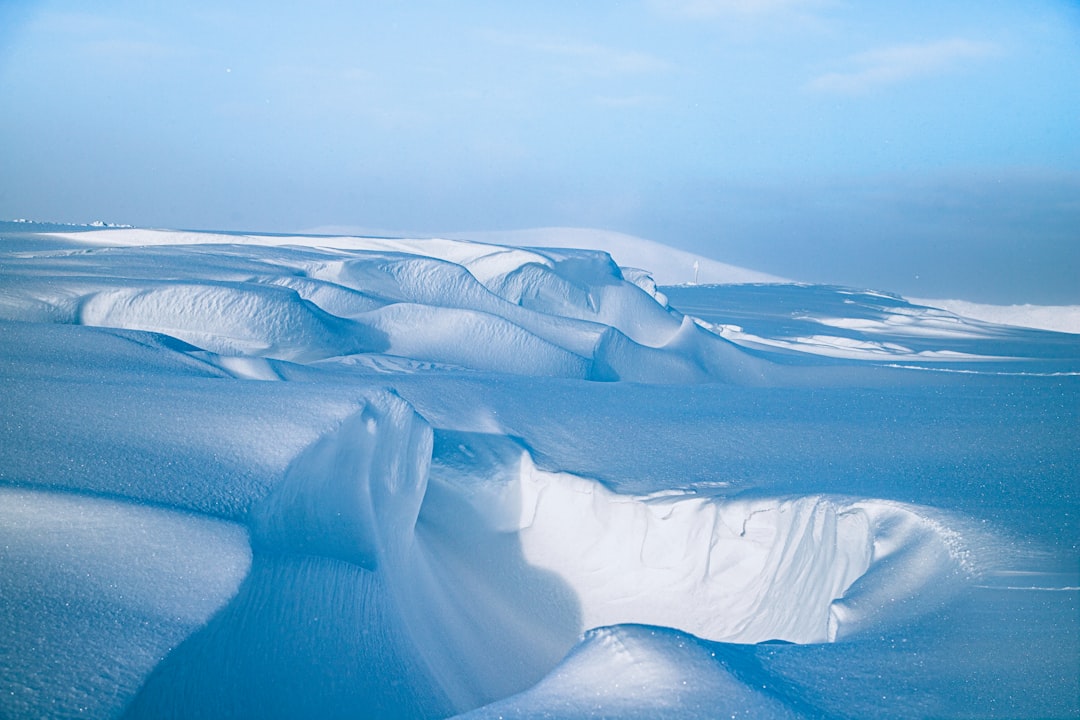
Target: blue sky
921,147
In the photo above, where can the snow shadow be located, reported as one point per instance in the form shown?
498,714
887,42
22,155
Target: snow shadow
374,589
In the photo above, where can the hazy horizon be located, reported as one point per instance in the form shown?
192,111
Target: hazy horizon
915,148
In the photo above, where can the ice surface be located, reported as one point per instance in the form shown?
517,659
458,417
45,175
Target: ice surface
284,476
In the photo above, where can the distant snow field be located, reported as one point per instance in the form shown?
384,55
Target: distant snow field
1060,318
550,473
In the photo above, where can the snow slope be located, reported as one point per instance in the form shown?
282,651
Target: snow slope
282,476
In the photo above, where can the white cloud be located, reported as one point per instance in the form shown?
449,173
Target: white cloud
897,63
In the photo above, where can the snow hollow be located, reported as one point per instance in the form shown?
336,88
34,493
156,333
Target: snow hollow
317,476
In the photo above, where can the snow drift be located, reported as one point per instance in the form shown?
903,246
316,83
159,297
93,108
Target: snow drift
559,313
284,476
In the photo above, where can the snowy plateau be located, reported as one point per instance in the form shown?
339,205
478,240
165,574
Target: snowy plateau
313,476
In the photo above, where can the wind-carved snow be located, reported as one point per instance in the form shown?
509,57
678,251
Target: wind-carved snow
354,494
561,313
273,476
736,570
441,551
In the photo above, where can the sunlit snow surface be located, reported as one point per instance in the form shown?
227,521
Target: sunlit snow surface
269,476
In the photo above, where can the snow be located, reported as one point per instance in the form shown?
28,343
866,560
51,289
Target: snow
297,476
667,265
97,592
1060,318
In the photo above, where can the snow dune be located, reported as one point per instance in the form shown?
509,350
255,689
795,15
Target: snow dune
284,476
562,313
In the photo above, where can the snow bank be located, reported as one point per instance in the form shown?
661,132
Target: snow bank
633,671
305,636
376,302
558,312
249,476
734,571
263,320
96,592
353,494
723,569
197,442
474,581
473,339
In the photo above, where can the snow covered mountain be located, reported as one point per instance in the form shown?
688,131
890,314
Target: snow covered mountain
310,476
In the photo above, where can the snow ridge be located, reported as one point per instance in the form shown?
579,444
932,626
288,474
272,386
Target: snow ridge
560,313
